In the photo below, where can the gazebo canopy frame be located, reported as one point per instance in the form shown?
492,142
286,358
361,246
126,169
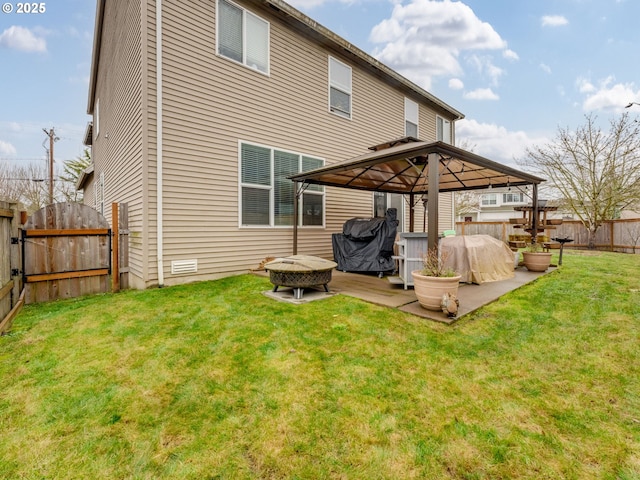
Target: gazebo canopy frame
412,167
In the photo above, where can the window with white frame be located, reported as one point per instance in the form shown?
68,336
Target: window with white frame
267,195
410,118
243,36
513,197
96,119
443,130
489,199
98,193
339,88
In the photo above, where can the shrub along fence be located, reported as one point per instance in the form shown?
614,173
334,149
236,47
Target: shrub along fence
614,235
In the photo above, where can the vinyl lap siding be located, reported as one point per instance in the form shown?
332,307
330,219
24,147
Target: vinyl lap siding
210,103
117,151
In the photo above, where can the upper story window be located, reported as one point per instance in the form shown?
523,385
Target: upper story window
410,118
513,197
489,199
339,88
443,130
267,195
243,36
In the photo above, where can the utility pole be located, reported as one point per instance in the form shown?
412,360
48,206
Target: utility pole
52,139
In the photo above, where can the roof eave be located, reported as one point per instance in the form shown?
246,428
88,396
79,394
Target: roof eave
84,177
340,44
95,55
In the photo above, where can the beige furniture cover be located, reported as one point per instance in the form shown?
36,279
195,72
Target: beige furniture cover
478,258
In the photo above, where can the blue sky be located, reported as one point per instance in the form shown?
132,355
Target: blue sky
517,69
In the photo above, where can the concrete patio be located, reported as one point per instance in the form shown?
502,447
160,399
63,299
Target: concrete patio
382,292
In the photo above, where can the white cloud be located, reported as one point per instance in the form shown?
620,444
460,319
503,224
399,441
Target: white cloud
481,94
309,4
495,142
584,85
6,148
553,21
545,68
607,95
423,39
510,54
22,39
485,67
456,84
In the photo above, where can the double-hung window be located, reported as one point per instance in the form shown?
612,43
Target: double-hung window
443,130
339,88
513,197
243,36
489,199
267,195
410,118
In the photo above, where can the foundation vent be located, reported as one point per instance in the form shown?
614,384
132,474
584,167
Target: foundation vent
181,267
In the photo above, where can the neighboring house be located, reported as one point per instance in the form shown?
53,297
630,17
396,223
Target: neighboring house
202,109
497,205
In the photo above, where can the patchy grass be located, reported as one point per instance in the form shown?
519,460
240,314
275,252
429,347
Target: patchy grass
214,380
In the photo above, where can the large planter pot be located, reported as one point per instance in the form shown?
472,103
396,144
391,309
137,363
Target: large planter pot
430,290
536,261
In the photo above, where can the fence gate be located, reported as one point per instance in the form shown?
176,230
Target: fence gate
10,280
66,253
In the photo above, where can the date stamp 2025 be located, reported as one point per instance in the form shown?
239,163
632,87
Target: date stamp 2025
24,7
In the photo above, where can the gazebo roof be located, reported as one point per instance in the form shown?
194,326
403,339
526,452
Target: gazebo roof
400,166
410,166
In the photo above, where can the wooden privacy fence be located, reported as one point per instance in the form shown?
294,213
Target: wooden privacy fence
67,252
11,299
614,235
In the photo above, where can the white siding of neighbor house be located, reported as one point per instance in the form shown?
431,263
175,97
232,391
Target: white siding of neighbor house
210,104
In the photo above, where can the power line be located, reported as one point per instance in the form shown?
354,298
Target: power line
23,159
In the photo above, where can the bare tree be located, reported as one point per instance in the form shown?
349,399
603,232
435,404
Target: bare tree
25,184
466,202
596,172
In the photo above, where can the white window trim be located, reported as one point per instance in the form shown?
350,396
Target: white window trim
99,194
271,189
96,120
339,113
444,122
408,103
244,38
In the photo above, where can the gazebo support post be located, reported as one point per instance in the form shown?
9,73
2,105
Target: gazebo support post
534,214
412,212
295,217
432,201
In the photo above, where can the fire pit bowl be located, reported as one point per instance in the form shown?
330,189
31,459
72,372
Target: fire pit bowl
300,272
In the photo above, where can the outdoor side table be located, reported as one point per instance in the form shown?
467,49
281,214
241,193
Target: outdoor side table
300,272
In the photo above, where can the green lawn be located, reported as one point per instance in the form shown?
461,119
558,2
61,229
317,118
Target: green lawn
216,381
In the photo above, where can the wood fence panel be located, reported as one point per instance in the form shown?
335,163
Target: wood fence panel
6,285
10,263
621,235
123,251
57,253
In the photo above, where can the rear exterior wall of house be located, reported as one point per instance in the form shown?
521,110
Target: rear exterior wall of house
213,109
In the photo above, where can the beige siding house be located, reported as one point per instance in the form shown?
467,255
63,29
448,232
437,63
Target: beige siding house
200,111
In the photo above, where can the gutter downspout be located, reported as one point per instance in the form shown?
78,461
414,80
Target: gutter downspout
159,195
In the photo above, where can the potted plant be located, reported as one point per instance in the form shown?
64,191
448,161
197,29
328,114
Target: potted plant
434,280
535,259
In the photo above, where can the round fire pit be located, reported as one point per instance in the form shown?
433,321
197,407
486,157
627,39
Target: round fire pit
300,272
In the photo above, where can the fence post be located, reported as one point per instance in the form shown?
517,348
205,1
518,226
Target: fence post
115,254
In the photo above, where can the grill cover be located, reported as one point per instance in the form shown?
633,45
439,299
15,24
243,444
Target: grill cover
366,244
